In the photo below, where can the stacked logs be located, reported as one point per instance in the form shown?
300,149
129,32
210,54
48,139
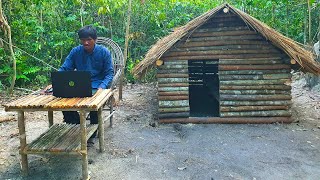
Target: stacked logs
173,89
254,87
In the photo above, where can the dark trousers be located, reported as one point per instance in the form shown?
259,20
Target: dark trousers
72,117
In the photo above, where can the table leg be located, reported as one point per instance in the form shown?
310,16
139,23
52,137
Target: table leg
84,151
50,118
101,130
111,109
23,142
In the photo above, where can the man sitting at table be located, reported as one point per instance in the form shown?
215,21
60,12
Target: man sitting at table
94,58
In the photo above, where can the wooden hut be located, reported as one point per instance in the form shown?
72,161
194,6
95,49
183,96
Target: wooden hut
225,67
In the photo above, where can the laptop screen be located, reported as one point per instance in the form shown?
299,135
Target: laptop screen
71,84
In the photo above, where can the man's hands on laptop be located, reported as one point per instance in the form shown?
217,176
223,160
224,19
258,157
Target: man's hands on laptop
48,89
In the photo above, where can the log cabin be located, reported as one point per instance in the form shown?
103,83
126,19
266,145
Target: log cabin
225,66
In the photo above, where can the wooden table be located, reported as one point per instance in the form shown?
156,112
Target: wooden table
62,138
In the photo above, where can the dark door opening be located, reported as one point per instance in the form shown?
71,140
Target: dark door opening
203,88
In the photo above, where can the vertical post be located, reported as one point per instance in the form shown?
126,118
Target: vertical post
126,44
111,109
101,130
23,143
84,152
50,118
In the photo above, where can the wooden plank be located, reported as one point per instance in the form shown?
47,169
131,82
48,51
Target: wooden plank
236,56
182,44
256,82
217,52
174,115
251,97
225,38
252,62
173,93
166,71
223,33
176,62
172,80
230,120
169,89
242,72
256,103
257,87
251,108
253,67
260,91
239,28
255,77
173,85
181,103
173,75
173,98
173,66
177,109
223,47
277,113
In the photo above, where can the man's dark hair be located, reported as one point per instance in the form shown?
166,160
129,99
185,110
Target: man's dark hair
87,31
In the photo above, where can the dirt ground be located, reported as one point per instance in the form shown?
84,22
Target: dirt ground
137,150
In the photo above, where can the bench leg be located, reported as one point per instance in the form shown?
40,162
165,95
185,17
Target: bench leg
84,151
23,142
101,130
112,100
50,118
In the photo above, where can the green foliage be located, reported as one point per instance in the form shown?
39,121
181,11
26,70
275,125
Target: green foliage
47,29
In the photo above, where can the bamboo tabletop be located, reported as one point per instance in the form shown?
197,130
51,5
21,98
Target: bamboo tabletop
48,102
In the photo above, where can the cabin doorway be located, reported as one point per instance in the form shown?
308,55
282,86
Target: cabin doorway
203,88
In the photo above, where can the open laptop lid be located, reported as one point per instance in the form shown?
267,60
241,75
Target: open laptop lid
71,84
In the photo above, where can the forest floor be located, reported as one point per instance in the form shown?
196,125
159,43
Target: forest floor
137,150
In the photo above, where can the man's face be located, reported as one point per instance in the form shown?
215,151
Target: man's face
88,43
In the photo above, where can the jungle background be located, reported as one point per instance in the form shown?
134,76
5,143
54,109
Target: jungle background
44,31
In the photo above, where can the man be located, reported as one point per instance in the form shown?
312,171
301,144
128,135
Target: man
91,57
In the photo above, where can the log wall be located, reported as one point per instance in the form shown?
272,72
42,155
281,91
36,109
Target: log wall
254,75
173,89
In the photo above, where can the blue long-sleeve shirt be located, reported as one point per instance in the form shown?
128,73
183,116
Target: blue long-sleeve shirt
99,63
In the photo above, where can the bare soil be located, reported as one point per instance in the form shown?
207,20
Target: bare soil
135,149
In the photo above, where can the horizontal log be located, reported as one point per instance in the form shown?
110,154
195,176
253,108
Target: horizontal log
223,33
261,91
173,84
224,19
223,47
168,110
253,67
255,77
252,62
239,120
172,80
173,93
173,62
181,103
256,103
226,24
240,72
222,29
174,115
166,89
251,97
173,66
211,57
182,44
219,52
252,108
255,82
224,38
173,98
173,75
282,113
166,71
256,87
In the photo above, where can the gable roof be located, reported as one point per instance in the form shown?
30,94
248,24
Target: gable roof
293,49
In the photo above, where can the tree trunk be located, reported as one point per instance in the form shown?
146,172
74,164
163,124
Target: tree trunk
126,44
309,23
7,28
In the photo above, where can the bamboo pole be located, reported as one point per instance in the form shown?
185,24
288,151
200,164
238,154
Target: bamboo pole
173,85
223,33
252,62
256,92
219,52
50,118
173,80
101,130
23,142
251,97
225,56
252,108
223,47
83,134
169,89
174,115
174,109
255,77
237,120
172,75
246,72
173,98
256,103
173,93
281,113
253,67
255,87
181,103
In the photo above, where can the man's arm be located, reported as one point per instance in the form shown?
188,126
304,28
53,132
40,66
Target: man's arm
68,64
108,71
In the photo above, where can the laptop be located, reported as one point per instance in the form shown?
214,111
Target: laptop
69,84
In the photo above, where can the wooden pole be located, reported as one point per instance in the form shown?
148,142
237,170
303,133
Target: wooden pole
243,120
125,54
101,130
23,142
83,134
50,118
